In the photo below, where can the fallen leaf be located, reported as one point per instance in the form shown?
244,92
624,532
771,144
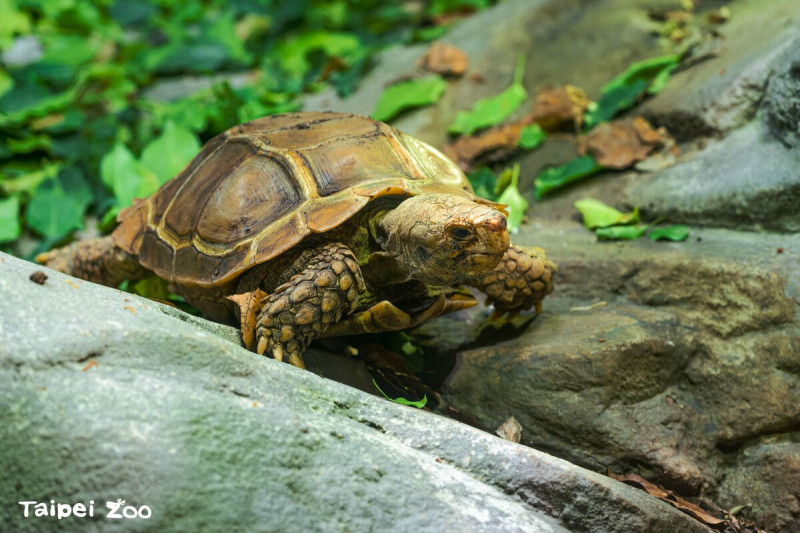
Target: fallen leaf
511,429
555,177
490,146
622,143
671,498
669,233
620,233
483,182
643,77
419,404
559,108
407,95
444,59
531,136
596,214
491,111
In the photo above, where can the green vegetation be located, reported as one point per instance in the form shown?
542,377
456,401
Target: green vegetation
419,404
407,95
610,224
94,106
491,111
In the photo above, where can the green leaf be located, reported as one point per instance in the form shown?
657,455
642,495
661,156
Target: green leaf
152,287
669,233
167,155
9,219
530,137
419,404
620,233
293,52
53,214
483,182
71,50
28,180
43,104
596,214
517,204
407,95
11,22
648,76
223,30
6,81
555,177
127,177
490,111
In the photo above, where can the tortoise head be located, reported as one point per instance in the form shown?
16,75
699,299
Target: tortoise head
443,239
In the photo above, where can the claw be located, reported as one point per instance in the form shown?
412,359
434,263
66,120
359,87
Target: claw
262,345
296,360
277,353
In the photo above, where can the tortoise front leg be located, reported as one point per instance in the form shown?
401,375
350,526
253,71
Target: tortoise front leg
520,281
302,308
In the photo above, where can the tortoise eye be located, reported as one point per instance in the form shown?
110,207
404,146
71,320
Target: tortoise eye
460,233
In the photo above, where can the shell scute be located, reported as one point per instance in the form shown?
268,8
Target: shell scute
259,191
260,188
184,210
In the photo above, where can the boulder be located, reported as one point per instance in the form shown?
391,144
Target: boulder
107,396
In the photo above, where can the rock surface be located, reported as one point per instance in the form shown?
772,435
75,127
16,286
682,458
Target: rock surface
676,361
106,395
687,368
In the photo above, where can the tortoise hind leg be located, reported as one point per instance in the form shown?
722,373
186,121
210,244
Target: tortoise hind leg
302,308
96,260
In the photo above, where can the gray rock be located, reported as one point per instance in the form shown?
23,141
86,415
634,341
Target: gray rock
106,395
677,361
782,97
564,42
743,181
723,92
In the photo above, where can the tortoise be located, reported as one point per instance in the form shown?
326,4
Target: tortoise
311,224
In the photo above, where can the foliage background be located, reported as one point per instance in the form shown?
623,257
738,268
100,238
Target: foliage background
85,126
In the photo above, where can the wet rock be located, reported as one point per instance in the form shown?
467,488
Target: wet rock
653,358
109,396
723,91
782,98
768,474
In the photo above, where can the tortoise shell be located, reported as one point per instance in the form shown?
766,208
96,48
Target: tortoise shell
256,190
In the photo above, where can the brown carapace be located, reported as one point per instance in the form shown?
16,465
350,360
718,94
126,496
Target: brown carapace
312,224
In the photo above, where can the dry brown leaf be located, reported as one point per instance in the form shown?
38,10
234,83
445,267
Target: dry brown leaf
490,146
559,108
671,498
444,59
511,429
622,143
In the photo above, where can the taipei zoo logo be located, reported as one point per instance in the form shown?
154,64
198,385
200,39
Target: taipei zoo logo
116,509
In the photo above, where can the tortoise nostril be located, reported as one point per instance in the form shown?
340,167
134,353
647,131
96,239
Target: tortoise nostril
496,222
